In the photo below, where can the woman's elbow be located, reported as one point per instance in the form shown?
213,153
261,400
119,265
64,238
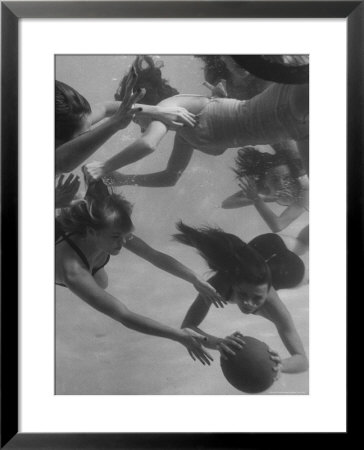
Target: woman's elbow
302,364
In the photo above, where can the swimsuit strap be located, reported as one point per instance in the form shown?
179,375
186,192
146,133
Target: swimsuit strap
65,237
76,249
94,270
62,236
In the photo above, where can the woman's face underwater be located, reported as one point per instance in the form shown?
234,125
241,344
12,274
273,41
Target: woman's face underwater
281,183
249,297
110,240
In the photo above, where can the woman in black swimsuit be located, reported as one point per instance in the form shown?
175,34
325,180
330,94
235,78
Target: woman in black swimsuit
243,278
87,234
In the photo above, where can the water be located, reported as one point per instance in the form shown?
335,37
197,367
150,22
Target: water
96,355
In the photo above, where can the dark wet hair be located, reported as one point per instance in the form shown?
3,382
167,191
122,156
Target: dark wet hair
242,87
274,68
215,69
253,163
70,108
286,267
98,214
226,254
149,78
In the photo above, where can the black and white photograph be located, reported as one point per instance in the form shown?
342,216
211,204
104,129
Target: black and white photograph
181,224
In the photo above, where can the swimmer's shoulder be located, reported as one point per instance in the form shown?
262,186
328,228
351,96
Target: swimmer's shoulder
68,262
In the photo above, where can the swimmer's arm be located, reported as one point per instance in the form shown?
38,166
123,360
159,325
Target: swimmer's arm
199,310
82,284
103,110
73,153
239,200
195,315
171,265
278,223
139,149
177,163
281,317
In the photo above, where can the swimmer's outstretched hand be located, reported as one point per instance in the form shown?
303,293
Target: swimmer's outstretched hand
274,356
127,109
230,345
219,90
249,188
193,341
209,293
66,189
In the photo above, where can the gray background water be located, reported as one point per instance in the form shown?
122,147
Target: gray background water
94,354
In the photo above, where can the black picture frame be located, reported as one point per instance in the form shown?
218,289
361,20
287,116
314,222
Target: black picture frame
11,13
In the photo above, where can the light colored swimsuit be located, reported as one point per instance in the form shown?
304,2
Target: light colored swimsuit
266,118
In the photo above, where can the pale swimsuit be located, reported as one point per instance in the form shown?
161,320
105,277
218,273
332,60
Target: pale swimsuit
267,118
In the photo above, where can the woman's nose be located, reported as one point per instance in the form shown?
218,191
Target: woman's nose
248,302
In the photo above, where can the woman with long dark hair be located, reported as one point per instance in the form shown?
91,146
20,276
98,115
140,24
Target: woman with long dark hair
242,277
271,178
277,114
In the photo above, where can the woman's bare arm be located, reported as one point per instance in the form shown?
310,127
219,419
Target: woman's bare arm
278,223
277,312
239,200
71,154
174,267
82,284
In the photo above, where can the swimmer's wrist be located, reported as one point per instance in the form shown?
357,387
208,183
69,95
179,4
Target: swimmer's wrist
115,123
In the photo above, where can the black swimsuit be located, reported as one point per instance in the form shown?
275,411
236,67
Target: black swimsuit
62,236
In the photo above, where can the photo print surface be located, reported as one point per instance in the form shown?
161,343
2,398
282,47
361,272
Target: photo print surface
182,236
